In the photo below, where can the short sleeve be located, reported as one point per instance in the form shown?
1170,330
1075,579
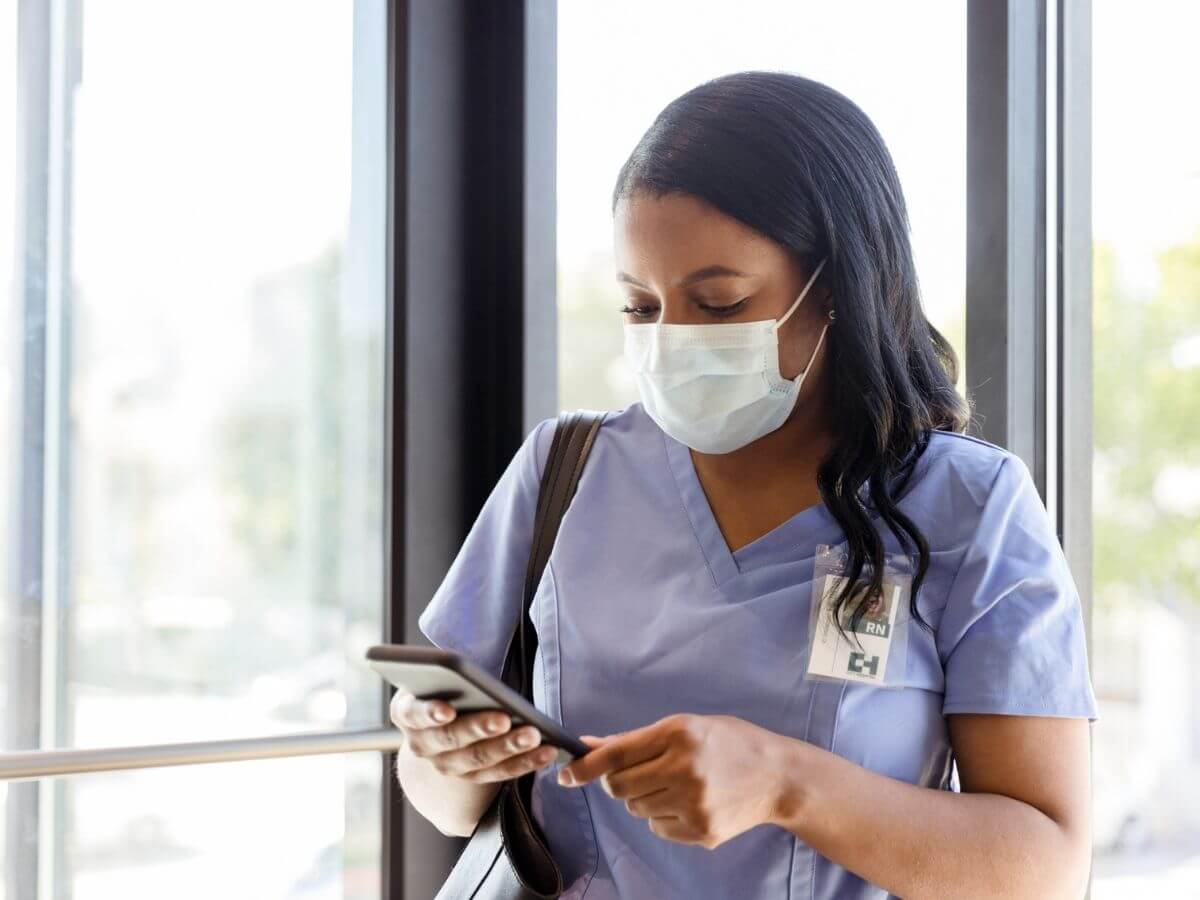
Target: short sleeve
1011,637
474,610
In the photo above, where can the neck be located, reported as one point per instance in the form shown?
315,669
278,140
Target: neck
789,454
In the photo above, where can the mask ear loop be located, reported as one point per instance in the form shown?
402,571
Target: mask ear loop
799,379
803,293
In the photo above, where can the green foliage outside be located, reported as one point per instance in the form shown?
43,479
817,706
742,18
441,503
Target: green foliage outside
1146,358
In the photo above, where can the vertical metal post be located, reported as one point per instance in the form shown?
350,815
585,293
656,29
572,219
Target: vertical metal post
23,710
1006,204
1029,253
396,264
507,206
38,715
540,214
1074,298
66,72
471,307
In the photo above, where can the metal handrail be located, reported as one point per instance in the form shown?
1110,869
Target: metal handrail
51,763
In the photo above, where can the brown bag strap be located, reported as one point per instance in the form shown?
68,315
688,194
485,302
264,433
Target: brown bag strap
574,434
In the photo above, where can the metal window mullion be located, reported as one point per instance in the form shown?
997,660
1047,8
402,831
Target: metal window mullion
57,609
1029,254
1073,299
23,708
539,336
1006,202
472,140
395,336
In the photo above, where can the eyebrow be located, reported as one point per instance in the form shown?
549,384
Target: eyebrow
715,271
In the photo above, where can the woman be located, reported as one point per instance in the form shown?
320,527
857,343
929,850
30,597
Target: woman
673,618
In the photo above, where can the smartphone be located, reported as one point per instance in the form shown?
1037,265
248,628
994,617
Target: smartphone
430,673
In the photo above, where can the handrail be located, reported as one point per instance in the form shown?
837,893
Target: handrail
51,763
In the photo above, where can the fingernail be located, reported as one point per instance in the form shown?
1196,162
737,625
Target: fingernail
493,725
441,715
566,778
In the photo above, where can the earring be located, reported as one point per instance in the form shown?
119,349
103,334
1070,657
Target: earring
831,316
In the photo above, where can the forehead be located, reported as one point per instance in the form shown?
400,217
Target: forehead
668,237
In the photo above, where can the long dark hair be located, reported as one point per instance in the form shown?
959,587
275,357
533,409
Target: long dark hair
801,164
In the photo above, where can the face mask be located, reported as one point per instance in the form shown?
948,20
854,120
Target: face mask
716,387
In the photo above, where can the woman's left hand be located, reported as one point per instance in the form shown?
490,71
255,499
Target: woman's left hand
696,779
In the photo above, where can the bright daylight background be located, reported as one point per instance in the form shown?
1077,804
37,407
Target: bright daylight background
905,65
213,441
213,507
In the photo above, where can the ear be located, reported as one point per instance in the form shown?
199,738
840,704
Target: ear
827,305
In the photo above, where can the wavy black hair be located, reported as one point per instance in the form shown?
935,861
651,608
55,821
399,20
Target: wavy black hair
801,164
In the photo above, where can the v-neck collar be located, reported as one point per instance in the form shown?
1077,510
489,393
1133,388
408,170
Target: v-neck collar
725,565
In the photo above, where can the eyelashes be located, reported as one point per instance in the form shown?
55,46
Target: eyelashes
640,312
720,312
728,310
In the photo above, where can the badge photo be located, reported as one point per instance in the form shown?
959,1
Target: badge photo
871,651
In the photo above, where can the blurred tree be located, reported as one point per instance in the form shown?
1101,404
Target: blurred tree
281,450
1147,429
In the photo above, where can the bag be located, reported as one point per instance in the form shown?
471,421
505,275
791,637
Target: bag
506,857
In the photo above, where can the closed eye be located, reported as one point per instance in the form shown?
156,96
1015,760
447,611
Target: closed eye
720,311
640,312
724,310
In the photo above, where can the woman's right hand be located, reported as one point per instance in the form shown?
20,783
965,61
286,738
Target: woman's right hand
463,746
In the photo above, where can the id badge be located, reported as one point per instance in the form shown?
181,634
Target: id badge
875,650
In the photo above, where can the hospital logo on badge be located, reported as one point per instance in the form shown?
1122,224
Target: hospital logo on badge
860,663
859,657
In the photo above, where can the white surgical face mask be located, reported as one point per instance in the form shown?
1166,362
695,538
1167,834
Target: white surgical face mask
716,387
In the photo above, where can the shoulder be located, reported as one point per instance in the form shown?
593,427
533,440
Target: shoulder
969,471
627,428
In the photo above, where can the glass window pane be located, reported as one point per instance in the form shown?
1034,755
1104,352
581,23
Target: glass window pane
220,548
1146,210
193,405
9,376
301,827
9,359
907,71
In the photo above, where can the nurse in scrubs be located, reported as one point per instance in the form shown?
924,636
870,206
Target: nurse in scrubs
793,396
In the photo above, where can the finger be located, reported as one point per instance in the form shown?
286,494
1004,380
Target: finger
515,766
409,712
465,730
636,781
487,753
658,804
617,752
400,708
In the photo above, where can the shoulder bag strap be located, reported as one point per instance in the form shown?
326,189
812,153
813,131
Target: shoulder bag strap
573,437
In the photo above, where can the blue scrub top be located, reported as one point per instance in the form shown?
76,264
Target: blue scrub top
644,612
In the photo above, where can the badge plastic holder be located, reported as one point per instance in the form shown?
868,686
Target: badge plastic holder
876,651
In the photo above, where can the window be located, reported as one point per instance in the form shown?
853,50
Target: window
301,827
202,245
8,165
1146,222
614,79
192,392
